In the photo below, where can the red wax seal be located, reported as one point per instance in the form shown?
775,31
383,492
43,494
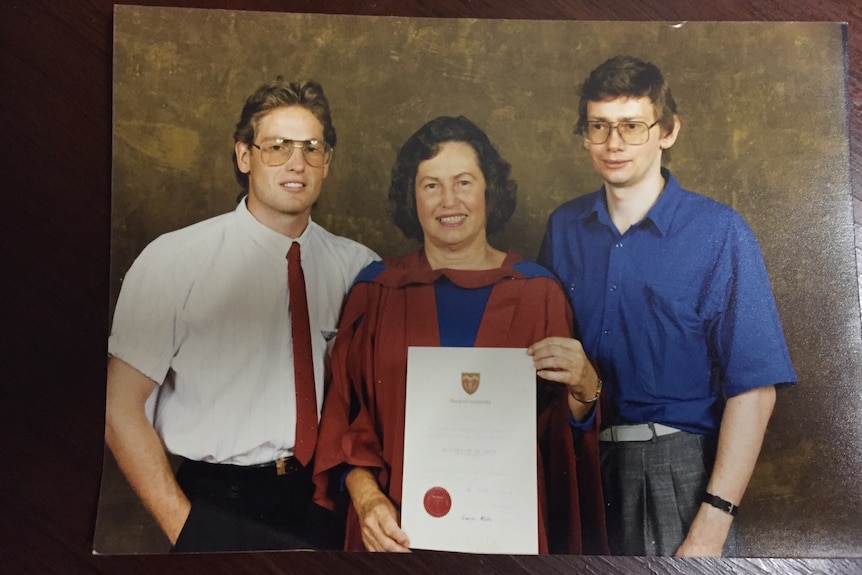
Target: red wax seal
437,502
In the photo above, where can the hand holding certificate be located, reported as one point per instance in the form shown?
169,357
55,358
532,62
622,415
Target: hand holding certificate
470,479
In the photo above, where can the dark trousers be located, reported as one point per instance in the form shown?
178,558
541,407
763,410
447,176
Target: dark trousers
653,490
247,509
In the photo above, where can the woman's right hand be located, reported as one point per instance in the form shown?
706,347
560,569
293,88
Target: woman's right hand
378,518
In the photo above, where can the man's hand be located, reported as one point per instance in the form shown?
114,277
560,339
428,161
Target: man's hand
708,533
378,518
562,360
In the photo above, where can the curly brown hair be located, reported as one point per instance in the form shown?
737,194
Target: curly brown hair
500,191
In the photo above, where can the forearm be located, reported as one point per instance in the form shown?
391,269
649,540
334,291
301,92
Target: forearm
739,441
362,487
378,518
740,438
139,452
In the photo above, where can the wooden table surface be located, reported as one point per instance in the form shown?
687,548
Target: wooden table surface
56,125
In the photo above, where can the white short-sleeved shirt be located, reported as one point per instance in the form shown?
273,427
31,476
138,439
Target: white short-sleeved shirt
203,311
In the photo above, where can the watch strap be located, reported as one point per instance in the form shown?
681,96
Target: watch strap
720,503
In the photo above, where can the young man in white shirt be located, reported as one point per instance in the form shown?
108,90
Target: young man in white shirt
201,350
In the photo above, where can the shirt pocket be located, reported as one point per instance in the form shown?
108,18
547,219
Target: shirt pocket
673,359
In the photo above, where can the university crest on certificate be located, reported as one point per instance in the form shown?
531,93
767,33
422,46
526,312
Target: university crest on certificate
470,480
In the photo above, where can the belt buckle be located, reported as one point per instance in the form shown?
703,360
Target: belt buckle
638,432
280,467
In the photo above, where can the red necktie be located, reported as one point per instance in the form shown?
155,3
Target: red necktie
303,363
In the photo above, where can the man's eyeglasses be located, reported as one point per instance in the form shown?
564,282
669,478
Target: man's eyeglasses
631,132
278,151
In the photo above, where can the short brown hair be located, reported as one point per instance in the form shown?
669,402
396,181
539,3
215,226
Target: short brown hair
622,76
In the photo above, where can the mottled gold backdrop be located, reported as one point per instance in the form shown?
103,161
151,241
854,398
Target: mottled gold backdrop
763,109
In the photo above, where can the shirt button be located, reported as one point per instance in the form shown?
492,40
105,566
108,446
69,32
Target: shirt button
613,288
618,245
606,331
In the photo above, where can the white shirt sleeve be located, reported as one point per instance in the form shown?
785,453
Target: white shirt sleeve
145,319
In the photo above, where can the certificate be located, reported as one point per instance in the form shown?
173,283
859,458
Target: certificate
470,451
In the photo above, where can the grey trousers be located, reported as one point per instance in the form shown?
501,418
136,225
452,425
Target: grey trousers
653,490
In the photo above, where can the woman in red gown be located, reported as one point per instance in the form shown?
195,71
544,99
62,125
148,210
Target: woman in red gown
450,187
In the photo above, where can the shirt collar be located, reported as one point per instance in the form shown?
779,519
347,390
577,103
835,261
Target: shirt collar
273,242
661,214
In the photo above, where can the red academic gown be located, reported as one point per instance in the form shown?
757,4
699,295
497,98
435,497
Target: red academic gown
362,422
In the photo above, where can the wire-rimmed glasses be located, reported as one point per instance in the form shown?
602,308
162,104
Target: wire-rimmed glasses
276,151
632,132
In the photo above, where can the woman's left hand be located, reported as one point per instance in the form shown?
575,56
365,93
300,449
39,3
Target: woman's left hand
562,360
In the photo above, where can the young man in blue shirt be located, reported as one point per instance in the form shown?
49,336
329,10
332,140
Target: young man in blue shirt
673,305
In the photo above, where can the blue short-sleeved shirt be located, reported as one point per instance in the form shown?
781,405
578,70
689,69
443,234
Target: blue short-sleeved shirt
678,311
